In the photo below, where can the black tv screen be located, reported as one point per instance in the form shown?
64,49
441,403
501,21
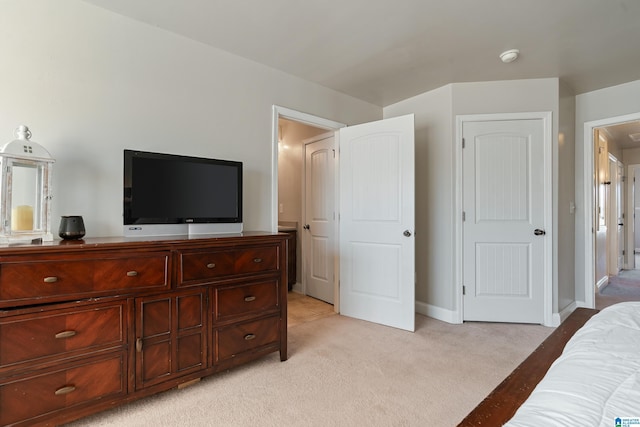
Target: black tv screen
172,189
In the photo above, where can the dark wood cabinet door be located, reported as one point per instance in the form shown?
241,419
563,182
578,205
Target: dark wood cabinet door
291,258
170,336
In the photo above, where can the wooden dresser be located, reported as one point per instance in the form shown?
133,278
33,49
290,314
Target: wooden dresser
87,325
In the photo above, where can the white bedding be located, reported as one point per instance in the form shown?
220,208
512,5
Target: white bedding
595,380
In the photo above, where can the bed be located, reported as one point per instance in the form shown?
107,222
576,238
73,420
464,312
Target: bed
586,373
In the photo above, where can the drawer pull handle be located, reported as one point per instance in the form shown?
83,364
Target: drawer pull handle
211,265
50,279
250,298
132,273
65,390
256,260
139,345
249,337
65,334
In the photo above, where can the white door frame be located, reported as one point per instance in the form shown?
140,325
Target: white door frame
546,117
589,202
311,120
629,220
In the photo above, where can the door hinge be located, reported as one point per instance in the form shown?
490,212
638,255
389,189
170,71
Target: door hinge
623,252
463,144
464,216
464,290
334,153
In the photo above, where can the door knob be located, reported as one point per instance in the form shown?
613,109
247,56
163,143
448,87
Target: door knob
406,233
306,227
539,232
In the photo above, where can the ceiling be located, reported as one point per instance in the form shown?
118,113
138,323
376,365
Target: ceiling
385,51
622,134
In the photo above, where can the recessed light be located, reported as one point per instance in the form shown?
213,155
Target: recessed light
635,137
509,55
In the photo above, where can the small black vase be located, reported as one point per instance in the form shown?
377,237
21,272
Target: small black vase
71,227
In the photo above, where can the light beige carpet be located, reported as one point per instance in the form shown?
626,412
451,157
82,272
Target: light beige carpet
347,372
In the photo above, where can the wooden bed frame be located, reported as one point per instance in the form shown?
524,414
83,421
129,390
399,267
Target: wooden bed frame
502,403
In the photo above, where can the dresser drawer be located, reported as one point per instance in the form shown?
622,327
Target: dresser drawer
59,333
28,397
206,265
40,277
201,267
244,337
257,259
246,299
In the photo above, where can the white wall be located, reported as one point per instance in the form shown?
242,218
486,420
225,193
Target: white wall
631,156
566,198
90,83
434,188
516,96
435,114
601,104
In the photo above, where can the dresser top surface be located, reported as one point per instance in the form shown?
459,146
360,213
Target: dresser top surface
121,242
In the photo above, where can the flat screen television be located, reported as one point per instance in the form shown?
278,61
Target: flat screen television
169,194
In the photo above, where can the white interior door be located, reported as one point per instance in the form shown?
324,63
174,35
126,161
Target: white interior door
504,220
635,217
377,222
620,212
611,213
319,213
615,240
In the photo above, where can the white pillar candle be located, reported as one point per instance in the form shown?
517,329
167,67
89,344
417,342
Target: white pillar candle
22,218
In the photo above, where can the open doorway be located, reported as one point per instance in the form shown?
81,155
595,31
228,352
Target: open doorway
633,215
379,152
292,131
616,157
290,191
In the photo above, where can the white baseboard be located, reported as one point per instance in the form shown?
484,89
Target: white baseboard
438,313
452,316
603,282
560,317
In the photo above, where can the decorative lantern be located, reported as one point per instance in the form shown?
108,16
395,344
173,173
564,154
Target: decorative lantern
25,190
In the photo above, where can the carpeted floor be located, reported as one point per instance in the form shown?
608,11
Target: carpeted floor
626,284
623,287
346,372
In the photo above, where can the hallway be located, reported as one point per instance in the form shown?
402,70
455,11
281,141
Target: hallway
623,287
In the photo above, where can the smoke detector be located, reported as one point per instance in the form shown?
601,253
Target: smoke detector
509,55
